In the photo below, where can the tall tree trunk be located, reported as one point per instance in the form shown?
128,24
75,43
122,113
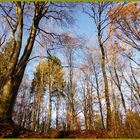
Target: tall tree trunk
68,116
85,107
114,112
119,88
33,115
10,89
71,100
8,98
98,96
108,108
73,116
90,107
57,112
11,86
92,113
49,112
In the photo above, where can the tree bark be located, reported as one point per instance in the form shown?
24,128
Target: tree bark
49,113
8,97
119,88
108,123
10,89
57,112
98,96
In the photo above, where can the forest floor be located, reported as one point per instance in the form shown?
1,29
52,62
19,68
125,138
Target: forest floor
13,131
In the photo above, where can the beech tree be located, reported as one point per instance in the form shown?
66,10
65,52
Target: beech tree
125,28
126,23
71,44
16,16
96,12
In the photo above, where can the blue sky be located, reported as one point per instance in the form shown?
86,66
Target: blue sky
84,24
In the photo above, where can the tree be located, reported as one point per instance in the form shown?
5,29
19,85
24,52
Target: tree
87,97
97,11
71,44
126,23
38,88
5,54
56,84
91,87
14,14
114,54
48,78
94,62
22,111
132,124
